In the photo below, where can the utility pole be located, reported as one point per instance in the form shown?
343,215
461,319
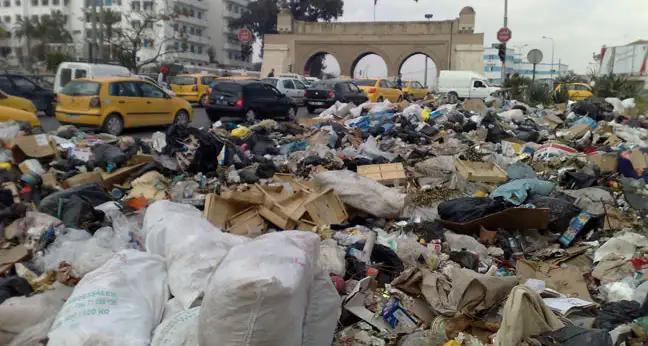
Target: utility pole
93,41
428,16
101,30
506,26
553,48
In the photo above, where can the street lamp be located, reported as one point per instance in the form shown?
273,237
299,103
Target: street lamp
553,48
428,16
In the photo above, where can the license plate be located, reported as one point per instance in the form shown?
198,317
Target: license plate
317,103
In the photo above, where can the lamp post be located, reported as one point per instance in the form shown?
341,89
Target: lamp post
553,48
428,16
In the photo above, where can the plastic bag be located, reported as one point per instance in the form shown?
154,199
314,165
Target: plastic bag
191,245
469,208
458,242
370,149
331,257
118,304
413,113
181,329
83,251
259,293
517,191
362,193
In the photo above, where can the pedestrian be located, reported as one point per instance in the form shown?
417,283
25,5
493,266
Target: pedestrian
399,82
271,74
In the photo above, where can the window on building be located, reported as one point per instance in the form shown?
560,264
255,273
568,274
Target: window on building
176,45
148,5
184,47
198,32
66,2
200,15
136,6
17,2
200,49
192,48
192,13
7,3
7,19
34,2
191,30
18,17
44,2
184,28
175,27
229,7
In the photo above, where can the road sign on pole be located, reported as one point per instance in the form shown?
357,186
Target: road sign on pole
534,57
245,35
504,35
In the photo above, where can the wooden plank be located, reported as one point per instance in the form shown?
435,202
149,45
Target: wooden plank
219,210
248,223
326,208
485,172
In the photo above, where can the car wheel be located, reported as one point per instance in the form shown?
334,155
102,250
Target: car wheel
250,116
292,114
202,101
181,118
380,99
114,125
311,110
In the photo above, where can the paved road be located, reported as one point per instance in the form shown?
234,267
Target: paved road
199,120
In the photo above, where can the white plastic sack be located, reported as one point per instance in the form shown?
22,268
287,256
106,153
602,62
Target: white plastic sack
322,313
516,115
181,329
371,150
629,103
118,304
191,246
83,251
362,193
381,107
616,103
357,111
259,293
457,242
331,258
413,112
18,314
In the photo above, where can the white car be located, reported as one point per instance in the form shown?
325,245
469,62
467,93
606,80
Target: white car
465,84
68,71
293,88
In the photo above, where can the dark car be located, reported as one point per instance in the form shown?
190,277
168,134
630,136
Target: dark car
18,85
323,94
249,100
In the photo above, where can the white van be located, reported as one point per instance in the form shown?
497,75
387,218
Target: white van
465,84
68,71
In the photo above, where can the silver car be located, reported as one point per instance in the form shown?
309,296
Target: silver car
291,87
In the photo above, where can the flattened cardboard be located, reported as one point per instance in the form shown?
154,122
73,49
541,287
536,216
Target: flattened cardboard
36,146
84,178
219,210
638,160
483,172
607,163
326,208
8,257
247,223
355,305
512,219
568,281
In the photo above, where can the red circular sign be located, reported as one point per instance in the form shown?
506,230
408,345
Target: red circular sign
504,35
245,35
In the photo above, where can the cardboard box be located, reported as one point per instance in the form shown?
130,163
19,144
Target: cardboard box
484,172
35,147
386,174
326,208
219,210
247,223
512,219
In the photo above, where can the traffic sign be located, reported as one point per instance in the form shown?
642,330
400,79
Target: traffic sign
245,35
504,34
535,56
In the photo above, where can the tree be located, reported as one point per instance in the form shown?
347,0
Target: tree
51,30
111,18
570,77
137,32
261,15
27,29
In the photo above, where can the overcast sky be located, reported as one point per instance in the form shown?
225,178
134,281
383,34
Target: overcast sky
579,27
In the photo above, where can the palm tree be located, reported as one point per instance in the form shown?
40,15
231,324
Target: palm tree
28,29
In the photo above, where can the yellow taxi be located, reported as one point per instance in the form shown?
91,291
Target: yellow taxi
192,87
24,104
116,103
10,113
576,91
378,89
414,90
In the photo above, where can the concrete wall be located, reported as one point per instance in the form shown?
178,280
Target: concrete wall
395,42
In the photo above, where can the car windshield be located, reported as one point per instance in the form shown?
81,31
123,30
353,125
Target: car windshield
81,88
365,82
271,81
183,80
228,88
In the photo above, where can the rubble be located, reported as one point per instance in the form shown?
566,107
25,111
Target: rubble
427,223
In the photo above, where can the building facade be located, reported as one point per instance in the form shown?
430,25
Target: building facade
193,32
516,62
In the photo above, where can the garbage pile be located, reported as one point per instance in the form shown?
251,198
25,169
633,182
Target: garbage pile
483,222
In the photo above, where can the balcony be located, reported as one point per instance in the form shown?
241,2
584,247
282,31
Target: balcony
201,4
243,3
202,22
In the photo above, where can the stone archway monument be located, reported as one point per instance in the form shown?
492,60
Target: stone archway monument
452,44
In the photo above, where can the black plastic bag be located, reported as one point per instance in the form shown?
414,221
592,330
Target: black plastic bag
576,180
495,131
561,210
575,336
384,259
75,206
14,286
469,208
106,155
614,314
